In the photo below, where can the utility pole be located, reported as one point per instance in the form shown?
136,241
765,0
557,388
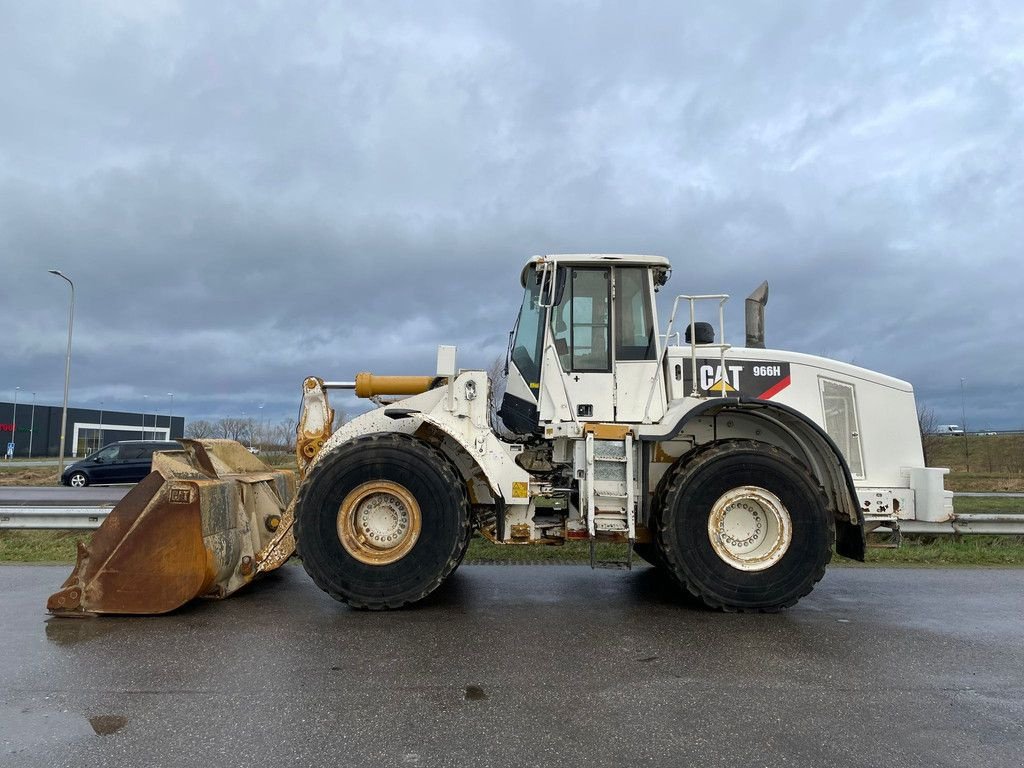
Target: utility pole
145,405
101,426
67,371
32,425
260,438
963,414
170,417
14,426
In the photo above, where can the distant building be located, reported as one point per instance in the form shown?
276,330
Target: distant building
38,432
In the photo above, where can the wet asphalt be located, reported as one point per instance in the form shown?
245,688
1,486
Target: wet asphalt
524,666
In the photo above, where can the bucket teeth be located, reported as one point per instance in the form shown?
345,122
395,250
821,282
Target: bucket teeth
195,527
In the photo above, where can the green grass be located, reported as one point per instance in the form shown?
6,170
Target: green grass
989,506
40,546
483,551
998,456
1007,551
918,550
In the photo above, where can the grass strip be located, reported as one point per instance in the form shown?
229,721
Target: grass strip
1005,551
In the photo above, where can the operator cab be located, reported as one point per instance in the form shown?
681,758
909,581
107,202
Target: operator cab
585,346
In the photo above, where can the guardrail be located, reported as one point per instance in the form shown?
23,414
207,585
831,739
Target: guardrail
52,518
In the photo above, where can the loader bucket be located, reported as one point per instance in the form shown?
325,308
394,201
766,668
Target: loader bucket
205,522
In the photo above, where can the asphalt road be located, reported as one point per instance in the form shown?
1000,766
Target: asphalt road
59,495
518,666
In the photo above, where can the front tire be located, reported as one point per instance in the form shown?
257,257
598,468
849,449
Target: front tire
745,526
78,480
382,521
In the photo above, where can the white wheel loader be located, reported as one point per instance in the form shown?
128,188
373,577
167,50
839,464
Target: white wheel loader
735,470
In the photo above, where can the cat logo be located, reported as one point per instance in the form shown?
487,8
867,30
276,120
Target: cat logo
719,379
758,379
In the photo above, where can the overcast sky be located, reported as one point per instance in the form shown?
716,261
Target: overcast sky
249,193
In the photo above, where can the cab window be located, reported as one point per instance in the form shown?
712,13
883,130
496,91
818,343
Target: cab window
634,327
580,322
529,333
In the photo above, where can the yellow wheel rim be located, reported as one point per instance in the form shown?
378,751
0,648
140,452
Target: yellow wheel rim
379,522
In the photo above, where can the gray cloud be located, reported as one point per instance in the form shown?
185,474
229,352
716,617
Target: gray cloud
249,194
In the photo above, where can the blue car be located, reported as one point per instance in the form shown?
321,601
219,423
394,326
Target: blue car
125,462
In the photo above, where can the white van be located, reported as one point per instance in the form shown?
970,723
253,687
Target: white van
949,429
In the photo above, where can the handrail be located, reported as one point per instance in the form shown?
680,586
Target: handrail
721,346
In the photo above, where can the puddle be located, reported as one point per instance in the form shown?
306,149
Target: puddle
104,725
66,631
475,693
24,728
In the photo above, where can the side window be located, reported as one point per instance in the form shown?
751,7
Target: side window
580,322
839,405
109,454
130,452
634,327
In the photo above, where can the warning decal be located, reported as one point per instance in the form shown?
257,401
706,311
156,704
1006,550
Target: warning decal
743,378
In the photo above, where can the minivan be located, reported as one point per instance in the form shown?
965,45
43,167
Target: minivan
125,462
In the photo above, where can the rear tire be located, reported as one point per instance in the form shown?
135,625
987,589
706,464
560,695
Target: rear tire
649,553
745,526
382,521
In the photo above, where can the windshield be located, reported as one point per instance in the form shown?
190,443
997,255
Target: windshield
529,334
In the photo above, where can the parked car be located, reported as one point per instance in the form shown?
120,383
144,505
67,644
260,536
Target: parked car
949,429
126,462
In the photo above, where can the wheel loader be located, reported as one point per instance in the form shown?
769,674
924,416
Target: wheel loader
737,471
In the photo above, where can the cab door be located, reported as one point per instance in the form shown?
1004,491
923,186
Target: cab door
581,335
639,385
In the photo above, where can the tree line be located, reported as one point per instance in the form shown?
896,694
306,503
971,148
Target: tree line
251,432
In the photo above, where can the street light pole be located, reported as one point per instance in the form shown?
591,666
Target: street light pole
259,443
145,405
32,425
170,417
67,370
101,426
963,414
14,426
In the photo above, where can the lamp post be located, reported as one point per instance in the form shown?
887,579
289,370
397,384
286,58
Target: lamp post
101,426
145,405
259,443
67,370
963,414
32,425
170,416
14,425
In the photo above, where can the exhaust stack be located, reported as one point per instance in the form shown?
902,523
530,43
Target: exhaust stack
755,304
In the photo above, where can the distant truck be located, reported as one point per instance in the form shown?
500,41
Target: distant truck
949,429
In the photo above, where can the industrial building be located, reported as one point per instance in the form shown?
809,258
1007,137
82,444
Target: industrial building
35,429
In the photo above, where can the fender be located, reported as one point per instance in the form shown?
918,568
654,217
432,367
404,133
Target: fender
829,464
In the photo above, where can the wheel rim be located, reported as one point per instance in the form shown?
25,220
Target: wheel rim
77,481
750,528
379,522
